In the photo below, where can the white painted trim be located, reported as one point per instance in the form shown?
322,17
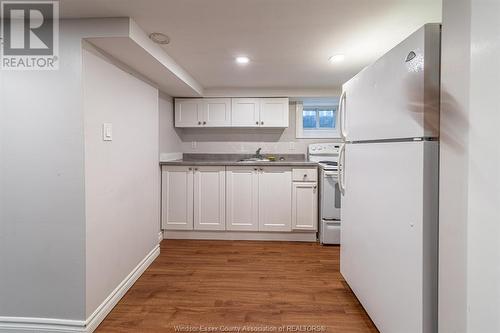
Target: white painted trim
311,134
160,236
165,157
109,303
241,235
41,325
49,325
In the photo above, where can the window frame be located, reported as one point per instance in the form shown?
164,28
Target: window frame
316,133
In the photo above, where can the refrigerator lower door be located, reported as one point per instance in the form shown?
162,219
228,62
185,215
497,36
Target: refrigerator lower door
389,232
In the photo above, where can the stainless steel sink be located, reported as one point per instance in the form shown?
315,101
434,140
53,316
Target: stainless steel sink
254,159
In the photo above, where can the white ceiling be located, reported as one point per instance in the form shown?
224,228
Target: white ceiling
288,41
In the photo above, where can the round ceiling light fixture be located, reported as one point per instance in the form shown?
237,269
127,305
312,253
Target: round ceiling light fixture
242,60
336,58
159,38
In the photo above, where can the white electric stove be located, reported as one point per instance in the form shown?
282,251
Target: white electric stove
327,154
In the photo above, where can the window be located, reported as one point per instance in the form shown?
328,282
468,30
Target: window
319,118
316,121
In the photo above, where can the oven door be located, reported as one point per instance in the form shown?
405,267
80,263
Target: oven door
330,195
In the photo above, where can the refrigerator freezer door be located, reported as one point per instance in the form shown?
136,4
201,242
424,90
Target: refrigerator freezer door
398,95
389,233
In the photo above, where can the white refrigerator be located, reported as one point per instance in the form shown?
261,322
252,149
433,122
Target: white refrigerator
388,174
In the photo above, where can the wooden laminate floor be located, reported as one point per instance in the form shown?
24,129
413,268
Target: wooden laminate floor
210,286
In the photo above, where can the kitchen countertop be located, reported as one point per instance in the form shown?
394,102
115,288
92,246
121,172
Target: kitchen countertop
297,160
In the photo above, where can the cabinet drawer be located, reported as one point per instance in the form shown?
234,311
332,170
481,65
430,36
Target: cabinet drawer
305,175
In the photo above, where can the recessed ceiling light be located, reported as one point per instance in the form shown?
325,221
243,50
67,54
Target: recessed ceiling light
336,58
159,38
242,60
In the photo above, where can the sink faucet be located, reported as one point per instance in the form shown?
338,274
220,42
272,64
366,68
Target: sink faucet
258,154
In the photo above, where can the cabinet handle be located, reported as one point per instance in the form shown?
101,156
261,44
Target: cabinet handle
255,169
195,169
199,123
256,123
204,123
262,123
190,169
261,169
305,175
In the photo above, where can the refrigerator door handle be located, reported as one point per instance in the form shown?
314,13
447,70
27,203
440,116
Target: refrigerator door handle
342,115
341,169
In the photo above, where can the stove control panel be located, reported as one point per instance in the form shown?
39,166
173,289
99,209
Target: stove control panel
324,148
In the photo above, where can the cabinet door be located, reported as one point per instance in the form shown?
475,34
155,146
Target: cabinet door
188,112
242,199
304,206
209,198
275,199
177,198
274,112
216,112
245,112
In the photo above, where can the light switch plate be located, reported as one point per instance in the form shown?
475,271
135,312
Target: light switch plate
107,132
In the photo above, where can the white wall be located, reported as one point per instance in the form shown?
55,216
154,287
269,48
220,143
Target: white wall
470,168
122,181
42,200
170,142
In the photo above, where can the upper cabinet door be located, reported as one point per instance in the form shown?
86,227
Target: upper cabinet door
245,112
274,112
209,198
188,112
216,112
177,198
275,199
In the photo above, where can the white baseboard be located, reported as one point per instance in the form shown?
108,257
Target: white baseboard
109,303
241,235
50,325
40,325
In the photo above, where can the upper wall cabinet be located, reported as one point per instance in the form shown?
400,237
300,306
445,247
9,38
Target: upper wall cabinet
274,112
245,112
231,112
203,112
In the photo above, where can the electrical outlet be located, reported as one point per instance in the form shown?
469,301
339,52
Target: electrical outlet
193,144
292,145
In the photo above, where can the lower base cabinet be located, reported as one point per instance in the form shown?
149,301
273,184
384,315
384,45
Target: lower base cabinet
177,198
259,199
242,199
209,198
275,199
304,206
239,198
